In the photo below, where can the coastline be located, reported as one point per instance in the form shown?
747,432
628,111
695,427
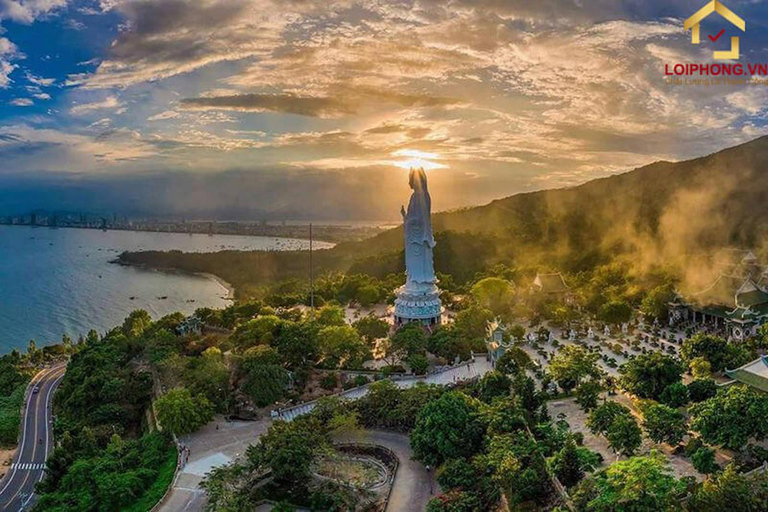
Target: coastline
231,290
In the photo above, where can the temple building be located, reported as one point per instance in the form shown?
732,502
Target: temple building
494,340
550,285
753,374
735,304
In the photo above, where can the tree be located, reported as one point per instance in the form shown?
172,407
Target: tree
331,316
472,478
446,342
732,417
615,312
717,351
514,360
624,435
571,364
640,484
261,354
289,450
728,488
418,363
517,466
297,343
265,384
647,375
567,465
367,295
259,331
472,322
136,323
524,389
700,368
587,394
342,346
371,328
494,294
209,376
493,385
181,413
455,500
447,428
664,424
703,460
409,339
601,419
655,304
517,333
702,389
675,395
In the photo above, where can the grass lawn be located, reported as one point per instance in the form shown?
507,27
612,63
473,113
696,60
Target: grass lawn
164,479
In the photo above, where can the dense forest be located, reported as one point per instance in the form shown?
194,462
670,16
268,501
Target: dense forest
108,454
671,215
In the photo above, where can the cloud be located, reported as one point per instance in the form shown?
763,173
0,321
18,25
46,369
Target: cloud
348,101
27,11
25,147
168,37
162,116
21,102
8,53
515,94
108,103
39,81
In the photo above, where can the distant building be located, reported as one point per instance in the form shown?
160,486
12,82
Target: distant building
551,286
191,325
735,304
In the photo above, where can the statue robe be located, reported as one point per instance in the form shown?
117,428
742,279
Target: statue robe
419,239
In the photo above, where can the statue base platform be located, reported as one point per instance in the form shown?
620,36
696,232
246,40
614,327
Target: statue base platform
418,303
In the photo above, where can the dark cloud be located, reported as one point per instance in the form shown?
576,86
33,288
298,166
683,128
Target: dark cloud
387,128
286,103
349,101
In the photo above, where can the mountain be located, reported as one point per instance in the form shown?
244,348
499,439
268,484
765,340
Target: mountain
671,214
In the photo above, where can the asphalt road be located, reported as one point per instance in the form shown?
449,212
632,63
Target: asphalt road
18,487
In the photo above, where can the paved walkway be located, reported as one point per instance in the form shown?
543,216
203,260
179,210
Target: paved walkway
467,371
211,447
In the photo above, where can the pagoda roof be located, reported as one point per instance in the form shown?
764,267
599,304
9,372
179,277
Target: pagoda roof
551,283
754,374
721,292
751,298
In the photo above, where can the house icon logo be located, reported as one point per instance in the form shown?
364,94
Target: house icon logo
693,24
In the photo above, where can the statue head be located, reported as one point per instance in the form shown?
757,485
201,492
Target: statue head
417,179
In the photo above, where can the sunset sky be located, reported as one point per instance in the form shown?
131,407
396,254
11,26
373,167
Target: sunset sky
310,108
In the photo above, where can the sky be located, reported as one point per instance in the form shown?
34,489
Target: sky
316,108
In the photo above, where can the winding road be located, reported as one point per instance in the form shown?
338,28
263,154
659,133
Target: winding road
28,468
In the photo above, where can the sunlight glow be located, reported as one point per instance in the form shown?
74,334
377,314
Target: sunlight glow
416,159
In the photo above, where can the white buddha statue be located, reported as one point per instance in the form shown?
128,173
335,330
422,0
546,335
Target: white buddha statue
419,299
419,239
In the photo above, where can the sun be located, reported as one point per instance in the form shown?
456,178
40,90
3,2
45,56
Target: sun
413,158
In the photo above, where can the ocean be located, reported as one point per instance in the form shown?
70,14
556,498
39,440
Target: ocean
61,281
